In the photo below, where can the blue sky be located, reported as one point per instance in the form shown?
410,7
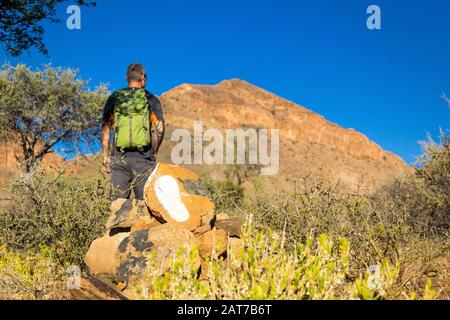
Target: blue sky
384,83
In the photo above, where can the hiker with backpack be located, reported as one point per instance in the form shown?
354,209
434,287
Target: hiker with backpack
136,117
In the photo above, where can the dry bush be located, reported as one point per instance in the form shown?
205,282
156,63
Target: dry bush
64,214
31,276
406,222
226,195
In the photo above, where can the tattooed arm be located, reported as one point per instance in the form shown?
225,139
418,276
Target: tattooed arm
158,135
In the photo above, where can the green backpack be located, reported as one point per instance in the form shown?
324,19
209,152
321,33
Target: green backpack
131,118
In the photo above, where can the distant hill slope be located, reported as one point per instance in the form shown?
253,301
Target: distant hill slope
309,144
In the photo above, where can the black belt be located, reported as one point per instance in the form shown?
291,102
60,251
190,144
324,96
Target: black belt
143,149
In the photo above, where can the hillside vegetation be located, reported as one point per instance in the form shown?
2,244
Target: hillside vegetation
316,242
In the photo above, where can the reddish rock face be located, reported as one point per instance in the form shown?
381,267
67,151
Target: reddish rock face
10,151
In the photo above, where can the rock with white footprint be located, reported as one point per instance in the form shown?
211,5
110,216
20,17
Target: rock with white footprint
173,194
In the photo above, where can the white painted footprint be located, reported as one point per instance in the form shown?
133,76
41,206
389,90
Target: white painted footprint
168,194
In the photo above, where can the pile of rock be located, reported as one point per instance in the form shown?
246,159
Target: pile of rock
176,213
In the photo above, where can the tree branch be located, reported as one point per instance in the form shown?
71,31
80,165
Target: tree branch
48,146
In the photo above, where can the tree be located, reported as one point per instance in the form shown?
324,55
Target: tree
20,28
240,173
46,107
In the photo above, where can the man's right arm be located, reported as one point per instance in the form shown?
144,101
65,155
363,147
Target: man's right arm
107,124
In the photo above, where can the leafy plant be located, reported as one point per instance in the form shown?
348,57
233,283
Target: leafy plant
43,108
262,269
30,276
64,214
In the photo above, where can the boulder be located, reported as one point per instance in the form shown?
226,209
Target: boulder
141,250
144,223
126,212
201,230
206,224
175,195
101,256
222,216
116,205
91,288
232,226
208,219
184,175
214,241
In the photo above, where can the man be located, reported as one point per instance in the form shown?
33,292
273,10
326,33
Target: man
136,117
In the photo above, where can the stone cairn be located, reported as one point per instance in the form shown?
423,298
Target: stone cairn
175,213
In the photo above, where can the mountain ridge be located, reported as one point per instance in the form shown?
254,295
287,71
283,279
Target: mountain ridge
308,141
236,103
238,82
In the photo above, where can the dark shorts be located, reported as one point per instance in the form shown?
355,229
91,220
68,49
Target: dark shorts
129,173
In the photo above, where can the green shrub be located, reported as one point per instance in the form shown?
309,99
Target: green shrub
62,213
377,283
31,276
226,195
424,196
265,270
406,222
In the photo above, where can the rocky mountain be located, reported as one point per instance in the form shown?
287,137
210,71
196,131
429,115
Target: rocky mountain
309,144
10,152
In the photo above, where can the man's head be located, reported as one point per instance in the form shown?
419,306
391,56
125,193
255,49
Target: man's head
136,76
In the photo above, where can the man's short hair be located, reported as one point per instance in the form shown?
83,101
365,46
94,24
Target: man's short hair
135,71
